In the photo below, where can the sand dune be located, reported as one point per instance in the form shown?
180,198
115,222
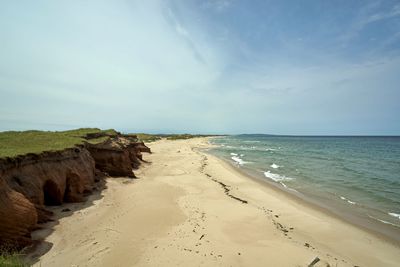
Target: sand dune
189,208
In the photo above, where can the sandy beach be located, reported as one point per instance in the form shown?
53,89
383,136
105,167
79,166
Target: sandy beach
189,208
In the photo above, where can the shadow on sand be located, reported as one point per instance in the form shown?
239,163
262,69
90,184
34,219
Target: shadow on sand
40,246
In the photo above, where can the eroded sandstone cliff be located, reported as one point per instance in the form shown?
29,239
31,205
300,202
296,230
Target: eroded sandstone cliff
31,182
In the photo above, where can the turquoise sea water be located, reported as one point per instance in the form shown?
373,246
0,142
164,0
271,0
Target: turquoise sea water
355,176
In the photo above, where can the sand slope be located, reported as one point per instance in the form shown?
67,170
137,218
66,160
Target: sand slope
191,209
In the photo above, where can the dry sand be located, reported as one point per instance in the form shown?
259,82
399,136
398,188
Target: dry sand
189,208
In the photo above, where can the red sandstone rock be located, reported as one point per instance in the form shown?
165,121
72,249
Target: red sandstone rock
28,183
117,156
18,217
142,147
113,162
50,178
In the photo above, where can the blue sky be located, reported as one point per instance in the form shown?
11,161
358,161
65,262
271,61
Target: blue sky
281,67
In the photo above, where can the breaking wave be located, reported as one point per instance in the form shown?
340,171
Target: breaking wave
348,200
276,177
275,166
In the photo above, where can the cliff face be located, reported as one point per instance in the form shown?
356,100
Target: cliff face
118,156
18,216
31,182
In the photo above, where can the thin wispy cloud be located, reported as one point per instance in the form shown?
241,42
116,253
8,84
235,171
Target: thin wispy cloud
394,12
371,15
182,31
217,5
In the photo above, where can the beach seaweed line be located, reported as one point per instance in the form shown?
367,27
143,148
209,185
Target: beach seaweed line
278,225
224,186
285,230
227,190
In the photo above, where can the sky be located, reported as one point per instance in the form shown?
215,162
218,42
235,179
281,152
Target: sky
210,66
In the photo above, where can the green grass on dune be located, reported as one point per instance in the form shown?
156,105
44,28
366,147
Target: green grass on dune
181,136
11,259
97,140
14,143
84,131
154,137
147,137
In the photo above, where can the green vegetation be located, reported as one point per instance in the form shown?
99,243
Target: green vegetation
81,132
184,136
154,137
147,138
14,143
11,259
19,143
97,140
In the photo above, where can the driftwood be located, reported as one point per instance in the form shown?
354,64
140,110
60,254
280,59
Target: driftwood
316,259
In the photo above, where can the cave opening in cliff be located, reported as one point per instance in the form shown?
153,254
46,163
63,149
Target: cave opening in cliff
51,194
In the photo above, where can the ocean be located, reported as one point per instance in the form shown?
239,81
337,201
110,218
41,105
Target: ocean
355,177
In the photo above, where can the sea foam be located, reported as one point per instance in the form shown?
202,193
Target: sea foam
383,221
394,215
276,177
348,200
275,166
238,160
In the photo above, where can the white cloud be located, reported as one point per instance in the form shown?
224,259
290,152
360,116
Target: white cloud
394,12
366,17
178,27
108,46
97,60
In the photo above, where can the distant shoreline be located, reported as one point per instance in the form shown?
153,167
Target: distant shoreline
311,135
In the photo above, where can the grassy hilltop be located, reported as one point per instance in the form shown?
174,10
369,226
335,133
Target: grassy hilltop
154,137
14,143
